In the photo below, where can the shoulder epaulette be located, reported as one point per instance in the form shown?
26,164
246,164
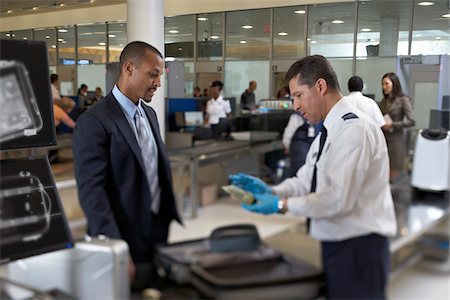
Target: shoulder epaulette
349,115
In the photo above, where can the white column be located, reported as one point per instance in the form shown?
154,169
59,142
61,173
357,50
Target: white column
145,22
389,36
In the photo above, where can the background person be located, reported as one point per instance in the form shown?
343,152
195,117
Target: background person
398,107
197,93
122,167
54,80
248,100
218,111
365,104
343,186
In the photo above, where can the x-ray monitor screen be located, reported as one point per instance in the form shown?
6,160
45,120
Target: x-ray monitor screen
193,118
32,220
25,97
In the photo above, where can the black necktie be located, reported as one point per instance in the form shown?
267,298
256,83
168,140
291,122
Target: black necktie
323,138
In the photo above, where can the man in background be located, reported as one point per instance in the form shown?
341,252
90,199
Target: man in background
54,80
365,104
248,97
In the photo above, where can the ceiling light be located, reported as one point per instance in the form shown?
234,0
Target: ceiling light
9,11
169,58
313,42
8,34
308,39
366,29
438,37
35,8
282,33
446,15
47,37
301,12
243,42
418,35
202,19
53,46
247,26
64,42
425,3
60,40
111,35
25,38
61,5
215,37
180,49
337,21
173,31
92,1
101,44
62,30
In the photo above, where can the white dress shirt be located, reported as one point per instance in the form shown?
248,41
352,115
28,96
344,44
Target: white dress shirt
217,109
368,106
353,197
55,93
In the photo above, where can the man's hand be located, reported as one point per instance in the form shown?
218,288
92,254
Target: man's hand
131,269
265,204
249,183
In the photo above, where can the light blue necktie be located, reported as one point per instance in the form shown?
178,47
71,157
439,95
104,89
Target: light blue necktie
150,158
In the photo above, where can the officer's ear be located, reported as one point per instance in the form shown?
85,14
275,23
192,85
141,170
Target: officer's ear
322,85
127,68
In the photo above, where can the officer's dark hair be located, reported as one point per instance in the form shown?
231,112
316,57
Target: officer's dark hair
396,85
311,68
355,84
135,52
217,83
54,78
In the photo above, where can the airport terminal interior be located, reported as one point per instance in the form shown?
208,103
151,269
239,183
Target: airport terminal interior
59,59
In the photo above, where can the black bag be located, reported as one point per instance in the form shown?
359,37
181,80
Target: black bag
233,263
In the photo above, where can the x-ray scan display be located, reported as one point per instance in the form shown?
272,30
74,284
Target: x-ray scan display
25,95
32,220
20,113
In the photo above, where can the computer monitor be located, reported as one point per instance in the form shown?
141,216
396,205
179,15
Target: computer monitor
32,220
193,118
25,97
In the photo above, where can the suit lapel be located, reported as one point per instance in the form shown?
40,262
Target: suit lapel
117,115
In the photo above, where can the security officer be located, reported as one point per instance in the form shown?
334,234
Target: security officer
297,138
343,186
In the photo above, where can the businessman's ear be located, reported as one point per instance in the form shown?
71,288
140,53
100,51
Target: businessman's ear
128,68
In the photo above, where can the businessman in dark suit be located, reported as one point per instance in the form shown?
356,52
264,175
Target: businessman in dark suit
121,164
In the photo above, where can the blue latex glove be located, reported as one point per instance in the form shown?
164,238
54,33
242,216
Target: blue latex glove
250,183
265,204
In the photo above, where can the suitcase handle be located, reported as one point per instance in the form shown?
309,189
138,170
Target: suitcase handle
240,237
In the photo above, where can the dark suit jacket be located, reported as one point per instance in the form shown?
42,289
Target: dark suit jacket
112,187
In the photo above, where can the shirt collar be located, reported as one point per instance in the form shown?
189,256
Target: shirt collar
220,98
126,103
335,113
355,93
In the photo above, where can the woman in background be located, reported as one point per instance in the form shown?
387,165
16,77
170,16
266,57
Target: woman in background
398,112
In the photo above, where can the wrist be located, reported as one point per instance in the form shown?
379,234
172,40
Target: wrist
282,206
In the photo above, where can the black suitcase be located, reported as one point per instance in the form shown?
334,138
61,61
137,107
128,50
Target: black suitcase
233,263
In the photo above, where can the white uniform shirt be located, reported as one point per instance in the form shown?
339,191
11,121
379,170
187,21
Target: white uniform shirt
368,106
352,197
55,93
217,109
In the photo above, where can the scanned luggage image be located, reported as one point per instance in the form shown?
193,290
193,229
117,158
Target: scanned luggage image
21,115
25,208
32,220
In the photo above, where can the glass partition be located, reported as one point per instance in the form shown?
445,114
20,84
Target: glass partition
117,35
431,31
383,28
209,36
331,29
289,32
371,70
66,45
91,44
238,74
179,37
248,35
48,35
